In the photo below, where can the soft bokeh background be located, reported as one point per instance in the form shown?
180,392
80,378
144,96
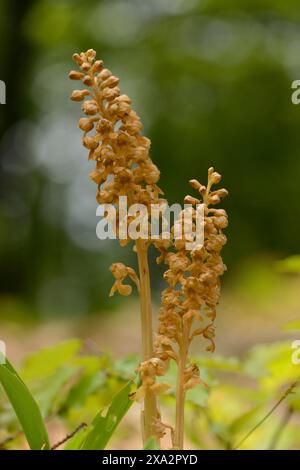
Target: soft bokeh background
211,80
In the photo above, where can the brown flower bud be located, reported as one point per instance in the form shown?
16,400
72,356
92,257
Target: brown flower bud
78,58
91,54
221,222
152,174
118,270
214,199
74,75
191,200
215,177
210,171
97,176
125,290
104,74
123,98
86,66
119,108
222,192
103,126
85,124
90,107
124,175
110,93
110,82
195,184
79,95
90,143
97,66
87,80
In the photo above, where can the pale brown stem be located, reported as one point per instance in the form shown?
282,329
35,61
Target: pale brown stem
180,391
150,412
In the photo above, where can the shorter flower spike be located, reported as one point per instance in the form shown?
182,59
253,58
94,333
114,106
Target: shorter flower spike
192,294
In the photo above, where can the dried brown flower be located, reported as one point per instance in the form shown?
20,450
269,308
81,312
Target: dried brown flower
192,295
112,134
123,167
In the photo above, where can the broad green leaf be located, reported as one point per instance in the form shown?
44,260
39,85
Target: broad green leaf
86,386
50,394
103,427
45,362
25,407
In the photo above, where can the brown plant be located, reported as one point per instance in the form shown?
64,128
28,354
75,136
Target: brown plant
123,167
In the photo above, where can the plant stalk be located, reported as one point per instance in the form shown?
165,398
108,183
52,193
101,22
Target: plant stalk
150,412
178,443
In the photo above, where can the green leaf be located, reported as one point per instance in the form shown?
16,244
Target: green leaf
25,407
85,387
75,442
103,427
50,395
45,362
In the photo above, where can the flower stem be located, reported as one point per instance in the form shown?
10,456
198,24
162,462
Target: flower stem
178,443
150,412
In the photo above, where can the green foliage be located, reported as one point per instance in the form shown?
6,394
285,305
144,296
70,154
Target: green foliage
43,364
24,406
71,385
103,427
68,385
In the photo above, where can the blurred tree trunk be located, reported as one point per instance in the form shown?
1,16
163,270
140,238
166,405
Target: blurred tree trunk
15,59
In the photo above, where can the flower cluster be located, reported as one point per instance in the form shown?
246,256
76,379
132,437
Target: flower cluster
112,134
123,167
193,283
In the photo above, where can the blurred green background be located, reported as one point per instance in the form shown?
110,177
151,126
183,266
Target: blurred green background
211,80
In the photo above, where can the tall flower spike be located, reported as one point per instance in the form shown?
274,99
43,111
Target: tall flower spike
192,295
123,167
112,135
